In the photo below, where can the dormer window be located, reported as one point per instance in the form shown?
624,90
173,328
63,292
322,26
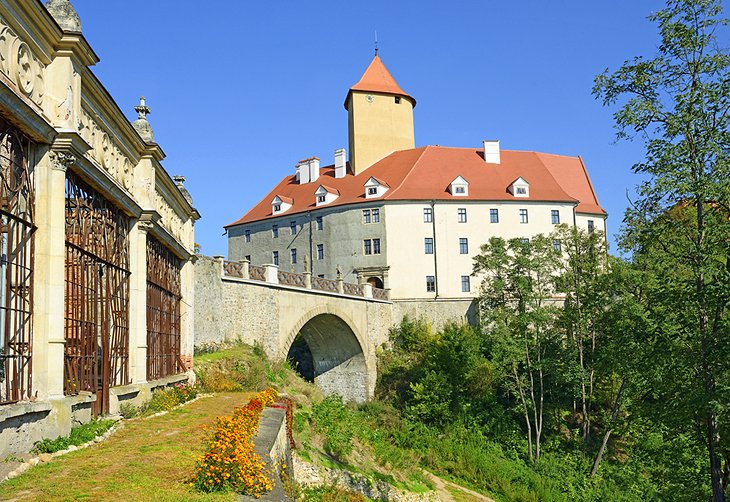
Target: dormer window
459,187
325,195
375,188
281,204
520,187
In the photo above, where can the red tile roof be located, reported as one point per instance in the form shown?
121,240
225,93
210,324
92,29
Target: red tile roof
426,173
377,78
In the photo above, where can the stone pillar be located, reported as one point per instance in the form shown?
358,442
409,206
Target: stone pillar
245,272
367,290
307,273
340,281
138,301
49,274
187,315
219,260
271,274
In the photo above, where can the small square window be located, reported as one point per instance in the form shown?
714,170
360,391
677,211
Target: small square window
590,226
366,215
376,215
321,198
428,244
275,256
523,216
555,216
293,256
320,251
462,215
321,276
494,216
372,190
247,235
430,283
248,258
465,284
521,191
459,189
463,246
397,100
427,215
275,231
525,240
277,208
320,223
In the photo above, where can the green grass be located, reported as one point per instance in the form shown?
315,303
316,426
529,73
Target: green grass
79,435
146,460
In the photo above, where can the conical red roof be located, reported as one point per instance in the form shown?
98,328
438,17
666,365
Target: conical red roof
377,78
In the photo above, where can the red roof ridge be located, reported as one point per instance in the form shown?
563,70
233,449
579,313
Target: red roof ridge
377,78
393,192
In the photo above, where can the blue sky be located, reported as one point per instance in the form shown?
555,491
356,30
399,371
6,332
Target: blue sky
240,91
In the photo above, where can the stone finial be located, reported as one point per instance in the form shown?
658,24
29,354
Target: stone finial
180,183
339,273
142,125
64,14
306,264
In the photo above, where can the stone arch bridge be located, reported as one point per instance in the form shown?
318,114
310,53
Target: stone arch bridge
331,328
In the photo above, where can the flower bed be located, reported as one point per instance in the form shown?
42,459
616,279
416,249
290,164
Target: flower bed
231,462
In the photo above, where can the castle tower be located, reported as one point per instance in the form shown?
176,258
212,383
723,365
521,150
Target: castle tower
380,117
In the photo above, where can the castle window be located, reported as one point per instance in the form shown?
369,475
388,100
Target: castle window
293,226
397,100
368,246
462,215
523,216
277,208
427,215
366,215
555,216
321,198
247,235
557,246
459,187
590,226
465,284
428,244
521,191
520,187
463,246
320,223
275,231
248,258
293,256
430,283
373,191
275,256
320,251
494,216
376,215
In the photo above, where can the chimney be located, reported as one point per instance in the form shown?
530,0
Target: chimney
491,151
340,163
303,172
313,169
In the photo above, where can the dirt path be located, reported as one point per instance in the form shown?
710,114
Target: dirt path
147,459
451,492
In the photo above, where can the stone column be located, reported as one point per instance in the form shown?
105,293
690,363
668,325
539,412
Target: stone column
187,319
49,274
138,301
245,272
271,274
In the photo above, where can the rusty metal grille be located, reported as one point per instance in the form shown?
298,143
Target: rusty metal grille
97,294
16,265
163,312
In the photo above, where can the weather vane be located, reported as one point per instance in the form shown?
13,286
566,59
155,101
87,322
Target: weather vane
376,42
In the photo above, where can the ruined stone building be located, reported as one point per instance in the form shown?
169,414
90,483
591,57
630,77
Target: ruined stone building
96,238
404,218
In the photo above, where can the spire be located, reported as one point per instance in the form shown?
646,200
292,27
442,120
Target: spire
142,126
377,78
64,14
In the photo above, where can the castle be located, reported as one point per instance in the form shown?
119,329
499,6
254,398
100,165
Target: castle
404,218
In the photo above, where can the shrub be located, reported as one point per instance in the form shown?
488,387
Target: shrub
169,397
79,435
336,422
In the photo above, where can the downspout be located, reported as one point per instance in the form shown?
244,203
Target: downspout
311,261
435,260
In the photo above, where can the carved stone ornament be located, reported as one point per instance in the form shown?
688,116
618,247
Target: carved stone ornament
105,152
61,161
169,218
145,226
21,66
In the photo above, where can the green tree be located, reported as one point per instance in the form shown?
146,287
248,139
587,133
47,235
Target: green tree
678,103
519,314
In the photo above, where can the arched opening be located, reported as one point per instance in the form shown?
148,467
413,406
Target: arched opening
375,282
327,352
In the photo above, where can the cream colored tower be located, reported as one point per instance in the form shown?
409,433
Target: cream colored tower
380,117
